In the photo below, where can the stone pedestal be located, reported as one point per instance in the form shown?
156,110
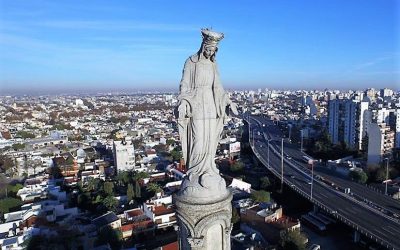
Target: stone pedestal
204,225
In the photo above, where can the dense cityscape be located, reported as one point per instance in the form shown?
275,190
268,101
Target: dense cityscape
99,171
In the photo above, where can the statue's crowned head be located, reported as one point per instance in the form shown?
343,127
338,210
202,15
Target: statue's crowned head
209,46
211,38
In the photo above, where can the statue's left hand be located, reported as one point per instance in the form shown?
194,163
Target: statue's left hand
233,107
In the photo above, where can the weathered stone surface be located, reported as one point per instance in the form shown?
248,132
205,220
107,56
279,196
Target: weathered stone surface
203,202
204,226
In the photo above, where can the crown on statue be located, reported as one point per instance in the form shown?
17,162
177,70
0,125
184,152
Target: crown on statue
211,37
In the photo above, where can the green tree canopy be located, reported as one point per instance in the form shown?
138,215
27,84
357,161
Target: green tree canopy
9,204
93,184
260,196
170,141
138,190
12,190
235,216
130,193
176,154
110,236
6,163
110,203
265,182
237,166
109,188
358,176
18,146
25,134
153,187
124,177
293,240
141,175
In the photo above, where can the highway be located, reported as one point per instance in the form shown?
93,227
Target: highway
365,218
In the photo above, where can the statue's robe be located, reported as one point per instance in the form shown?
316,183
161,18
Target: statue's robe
188,126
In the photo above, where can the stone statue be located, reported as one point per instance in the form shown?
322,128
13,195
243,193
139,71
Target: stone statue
203,108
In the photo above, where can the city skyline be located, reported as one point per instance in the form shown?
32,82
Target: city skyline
48,47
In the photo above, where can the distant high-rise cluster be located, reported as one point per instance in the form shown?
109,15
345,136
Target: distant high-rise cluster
369,119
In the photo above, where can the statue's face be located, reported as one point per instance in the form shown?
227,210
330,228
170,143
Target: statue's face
209,51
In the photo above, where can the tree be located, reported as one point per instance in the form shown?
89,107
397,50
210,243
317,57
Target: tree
170,141
176,154
265,182
93,184
123,177
6,163
25,135
70,160
110,236
141,176
130,193
84,201
18,146
109,188
380,174
358,176
237,166
235,216
138,190
12,190
110,203
260,196
9,204
293,240
153,187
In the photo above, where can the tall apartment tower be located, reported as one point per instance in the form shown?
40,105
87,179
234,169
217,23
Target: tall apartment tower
346,121
334,110
124,155
351,117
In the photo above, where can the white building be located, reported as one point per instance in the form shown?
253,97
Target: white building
79,102
351,118
124,155
333,122
380,143
346,121
364,120
386,92
383,115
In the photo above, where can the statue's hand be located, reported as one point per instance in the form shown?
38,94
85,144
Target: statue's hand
233,107
184,110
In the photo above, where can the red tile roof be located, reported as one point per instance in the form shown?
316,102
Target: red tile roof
134,213
161,210
171,246
136,225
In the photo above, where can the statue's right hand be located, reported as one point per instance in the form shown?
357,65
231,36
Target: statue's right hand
184,110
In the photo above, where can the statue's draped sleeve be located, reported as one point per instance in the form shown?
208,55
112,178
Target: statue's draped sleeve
183,121
220,97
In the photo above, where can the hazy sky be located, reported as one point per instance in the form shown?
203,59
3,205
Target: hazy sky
111,45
